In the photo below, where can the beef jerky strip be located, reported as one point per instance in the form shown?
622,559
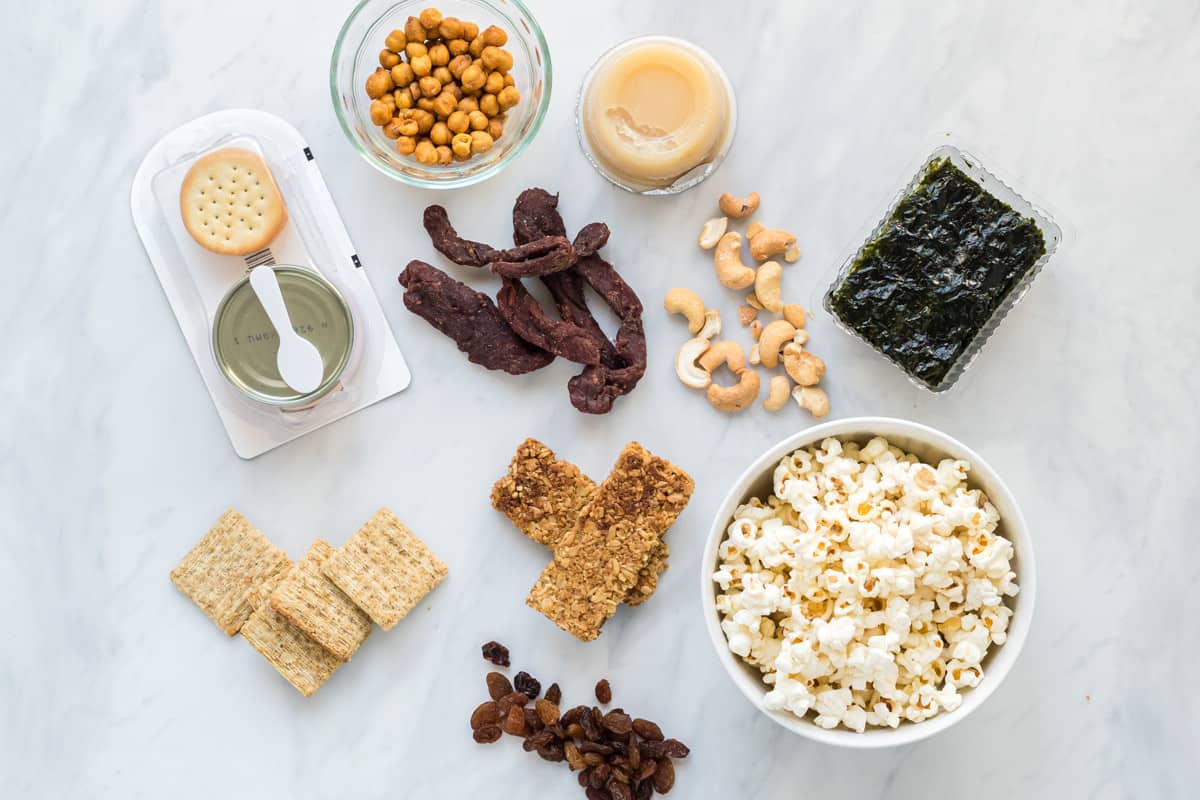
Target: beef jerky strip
525,315
470,318
595,389
591,237
543,256
447,241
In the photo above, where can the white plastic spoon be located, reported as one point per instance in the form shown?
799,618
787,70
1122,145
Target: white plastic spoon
299,362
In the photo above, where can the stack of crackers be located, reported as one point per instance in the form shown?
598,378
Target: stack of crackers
307,619
607,538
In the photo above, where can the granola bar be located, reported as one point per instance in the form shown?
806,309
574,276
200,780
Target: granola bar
599,561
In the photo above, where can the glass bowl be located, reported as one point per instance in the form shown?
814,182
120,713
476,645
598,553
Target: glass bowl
356,56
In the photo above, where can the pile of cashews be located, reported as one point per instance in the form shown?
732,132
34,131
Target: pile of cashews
780,341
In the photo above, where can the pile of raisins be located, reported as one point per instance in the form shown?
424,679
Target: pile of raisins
616,756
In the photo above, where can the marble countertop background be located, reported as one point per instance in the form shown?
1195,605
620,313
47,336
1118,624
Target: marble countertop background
113,462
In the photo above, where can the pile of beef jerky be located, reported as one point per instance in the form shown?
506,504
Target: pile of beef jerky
514,333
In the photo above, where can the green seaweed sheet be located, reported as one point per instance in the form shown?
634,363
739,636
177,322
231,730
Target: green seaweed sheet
945,259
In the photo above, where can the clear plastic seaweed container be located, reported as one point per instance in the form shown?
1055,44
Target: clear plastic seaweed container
972,167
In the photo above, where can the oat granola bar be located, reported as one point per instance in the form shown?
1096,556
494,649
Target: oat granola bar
599,561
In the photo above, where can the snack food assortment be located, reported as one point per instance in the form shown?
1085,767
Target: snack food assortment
297,616
443,88
868,587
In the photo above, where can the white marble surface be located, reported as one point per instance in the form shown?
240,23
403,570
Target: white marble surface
112,461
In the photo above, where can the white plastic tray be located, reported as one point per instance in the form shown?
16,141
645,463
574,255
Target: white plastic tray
194,279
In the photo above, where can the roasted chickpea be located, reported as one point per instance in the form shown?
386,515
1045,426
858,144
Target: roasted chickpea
425,120
461,145
395,41
478,120
388,100
472,78
481,142
381,112
444,104
425,104
430,86
402,74
443,75
468,104
388,59
477,45
404,98
405,145
421,66
439,54
508,79
494,36
414,49
454,89
426,153
439,134
458,122
508,97
414,89
407,126
488,105
379,83
494,82
458,64
451,28
431,18
496,59
495,128
470,30
458,46
444,155
392,129
414,31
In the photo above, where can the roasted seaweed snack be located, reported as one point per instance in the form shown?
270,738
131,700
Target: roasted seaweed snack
946,258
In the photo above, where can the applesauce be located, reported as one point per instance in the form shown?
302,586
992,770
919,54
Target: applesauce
656,115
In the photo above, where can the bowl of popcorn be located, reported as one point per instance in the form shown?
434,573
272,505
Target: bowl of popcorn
868,582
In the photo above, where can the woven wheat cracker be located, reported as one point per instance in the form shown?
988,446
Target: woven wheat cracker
294,655
308,600
230,203
385,569
230,570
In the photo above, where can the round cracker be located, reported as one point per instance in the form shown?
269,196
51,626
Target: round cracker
230,203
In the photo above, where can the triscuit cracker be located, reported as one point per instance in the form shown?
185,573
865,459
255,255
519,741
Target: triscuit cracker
595,565
545,496
294,655
230,203
228,571
385,569
308,600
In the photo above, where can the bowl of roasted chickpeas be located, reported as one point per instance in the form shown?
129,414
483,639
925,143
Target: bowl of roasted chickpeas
440,96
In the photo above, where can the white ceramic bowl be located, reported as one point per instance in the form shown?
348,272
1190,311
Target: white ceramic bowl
930,445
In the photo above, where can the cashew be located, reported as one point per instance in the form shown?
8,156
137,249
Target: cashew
712,232
773,338
792,254
755,355
753,228
766,286
752,301
690,373
770,242
712,325
731,272
777,393
687,303
801,337
756,329
804,367
724,352
738,207
795,314
732,399
746,314
810,398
